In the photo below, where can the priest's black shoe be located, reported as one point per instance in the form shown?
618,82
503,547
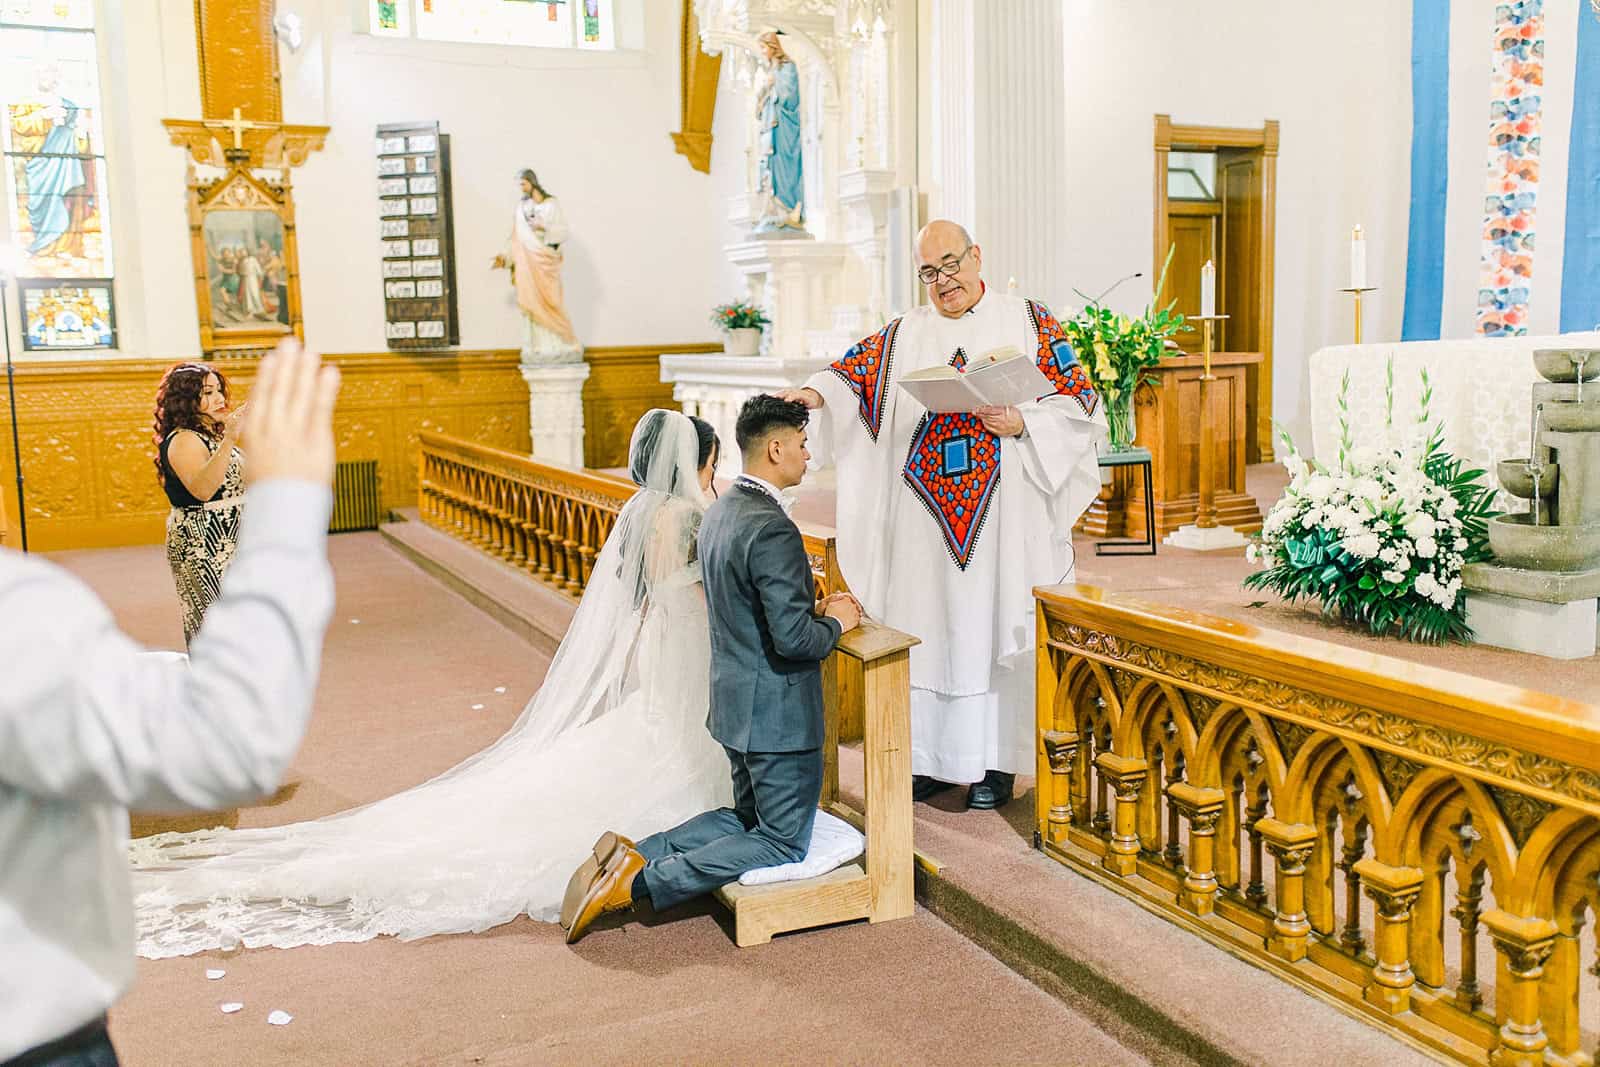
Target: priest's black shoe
924,787
993,791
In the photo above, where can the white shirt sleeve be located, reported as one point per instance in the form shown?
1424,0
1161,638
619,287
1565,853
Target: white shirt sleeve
88,716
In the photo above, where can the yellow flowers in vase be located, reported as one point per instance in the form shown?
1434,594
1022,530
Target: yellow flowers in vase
1118,351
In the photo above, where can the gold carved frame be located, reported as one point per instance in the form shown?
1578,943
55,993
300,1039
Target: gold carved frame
240,190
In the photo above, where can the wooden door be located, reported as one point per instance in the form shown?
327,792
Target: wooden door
1192,225
1241,272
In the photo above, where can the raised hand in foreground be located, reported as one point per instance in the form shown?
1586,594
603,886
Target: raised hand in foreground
290,419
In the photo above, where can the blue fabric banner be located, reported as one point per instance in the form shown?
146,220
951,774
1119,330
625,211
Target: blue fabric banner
1580,267
1430,168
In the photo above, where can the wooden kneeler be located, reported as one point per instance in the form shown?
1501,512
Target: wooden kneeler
870,671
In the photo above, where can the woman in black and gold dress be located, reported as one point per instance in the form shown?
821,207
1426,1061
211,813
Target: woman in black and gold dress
202,471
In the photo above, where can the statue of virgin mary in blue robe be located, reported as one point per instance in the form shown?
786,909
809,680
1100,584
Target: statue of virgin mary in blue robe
781,169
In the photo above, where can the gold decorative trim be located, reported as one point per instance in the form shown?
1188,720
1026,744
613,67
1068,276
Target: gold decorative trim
697,93
268,146
1438,745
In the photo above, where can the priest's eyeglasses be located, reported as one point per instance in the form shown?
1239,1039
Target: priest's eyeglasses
948,268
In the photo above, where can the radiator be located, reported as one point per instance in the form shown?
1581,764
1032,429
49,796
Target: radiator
357,496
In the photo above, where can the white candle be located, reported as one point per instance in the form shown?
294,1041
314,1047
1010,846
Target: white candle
1208,290
1358,259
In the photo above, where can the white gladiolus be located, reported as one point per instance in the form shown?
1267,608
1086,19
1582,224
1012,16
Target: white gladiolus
1364,457
1366,489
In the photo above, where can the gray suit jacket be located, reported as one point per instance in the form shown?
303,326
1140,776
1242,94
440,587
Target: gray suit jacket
767,646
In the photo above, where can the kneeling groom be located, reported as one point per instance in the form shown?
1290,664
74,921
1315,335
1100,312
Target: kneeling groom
767,646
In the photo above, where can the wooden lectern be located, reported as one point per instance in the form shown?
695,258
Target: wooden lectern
1167,416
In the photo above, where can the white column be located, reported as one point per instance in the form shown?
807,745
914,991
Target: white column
999,122
555,410
954,111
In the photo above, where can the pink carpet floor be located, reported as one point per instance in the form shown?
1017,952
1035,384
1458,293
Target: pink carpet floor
405,662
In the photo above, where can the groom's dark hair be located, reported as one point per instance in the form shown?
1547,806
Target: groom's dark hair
761,415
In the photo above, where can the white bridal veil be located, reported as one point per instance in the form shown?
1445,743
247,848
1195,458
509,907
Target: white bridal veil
615,738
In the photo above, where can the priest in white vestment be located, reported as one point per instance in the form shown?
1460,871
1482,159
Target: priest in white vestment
946,522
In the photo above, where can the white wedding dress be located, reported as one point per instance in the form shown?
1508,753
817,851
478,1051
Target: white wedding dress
614,739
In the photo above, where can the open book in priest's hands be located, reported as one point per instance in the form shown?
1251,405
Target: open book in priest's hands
1002,378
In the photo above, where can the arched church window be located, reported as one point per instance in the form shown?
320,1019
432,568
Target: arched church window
527,23
53,140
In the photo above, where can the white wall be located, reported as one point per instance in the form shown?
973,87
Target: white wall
730,135
1337,77
644,264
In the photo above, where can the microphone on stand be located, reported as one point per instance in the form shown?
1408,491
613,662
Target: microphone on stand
1112,286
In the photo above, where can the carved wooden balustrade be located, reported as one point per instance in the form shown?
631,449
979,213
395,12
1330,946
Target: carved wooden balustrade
1256,786
548,519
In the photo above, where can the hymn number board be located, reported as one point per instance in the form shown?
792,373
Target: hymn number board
419,272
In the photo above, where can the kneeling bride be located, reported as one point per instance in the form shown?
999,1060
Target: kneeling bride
616,736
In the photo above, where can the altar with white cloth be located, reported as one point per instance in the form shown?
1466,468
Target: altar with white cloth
1482,388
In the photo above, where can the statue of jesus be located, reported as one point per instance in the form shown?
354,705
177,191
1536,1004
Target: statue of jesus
534,257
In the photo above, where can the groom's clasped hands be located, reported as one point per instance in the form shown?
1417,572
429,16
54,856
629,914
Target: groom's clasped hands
843,609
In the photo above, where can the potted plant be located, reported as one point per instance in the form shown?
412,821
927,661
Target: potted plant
1117,352
742,322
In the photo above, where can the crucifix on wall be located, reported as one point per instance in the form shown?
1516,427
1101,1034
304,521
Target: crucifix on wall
241,224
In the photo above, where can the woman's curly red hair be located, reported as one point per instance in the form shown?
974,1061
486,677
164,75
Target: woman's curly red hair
178,406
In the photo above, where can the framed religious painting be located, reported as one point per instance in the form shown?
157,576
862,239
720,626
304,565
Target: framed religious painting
247,276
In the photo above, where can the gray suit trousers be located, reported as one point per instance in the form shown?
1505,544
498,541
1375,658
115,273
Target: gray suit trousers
775,798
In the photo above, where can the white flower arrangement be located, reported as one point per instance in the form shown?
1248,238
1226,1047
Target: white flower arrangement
1381,540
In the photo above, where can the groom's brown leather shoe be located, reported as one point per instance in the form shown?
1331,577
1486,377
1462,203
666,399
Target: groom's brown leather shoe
587,872
612,891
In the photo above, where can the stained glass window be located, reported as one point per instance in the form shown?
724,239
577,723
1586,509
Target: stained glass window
53,145
53,141
57,316
529,23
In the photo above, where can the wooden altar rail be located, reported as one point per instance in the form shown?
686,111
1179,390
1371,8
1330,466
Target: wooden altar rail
1178,753
551,520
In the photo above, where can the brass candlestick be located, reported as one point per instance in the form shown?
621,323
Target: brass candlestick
1206,512
1357,293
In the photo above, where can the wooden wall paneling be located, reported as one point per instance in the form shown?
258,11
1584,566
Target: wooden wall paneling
624,383
238,59
85,429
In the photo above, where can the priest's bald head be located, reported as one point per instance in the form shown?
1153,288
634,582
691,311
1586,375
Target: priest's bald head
949,264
